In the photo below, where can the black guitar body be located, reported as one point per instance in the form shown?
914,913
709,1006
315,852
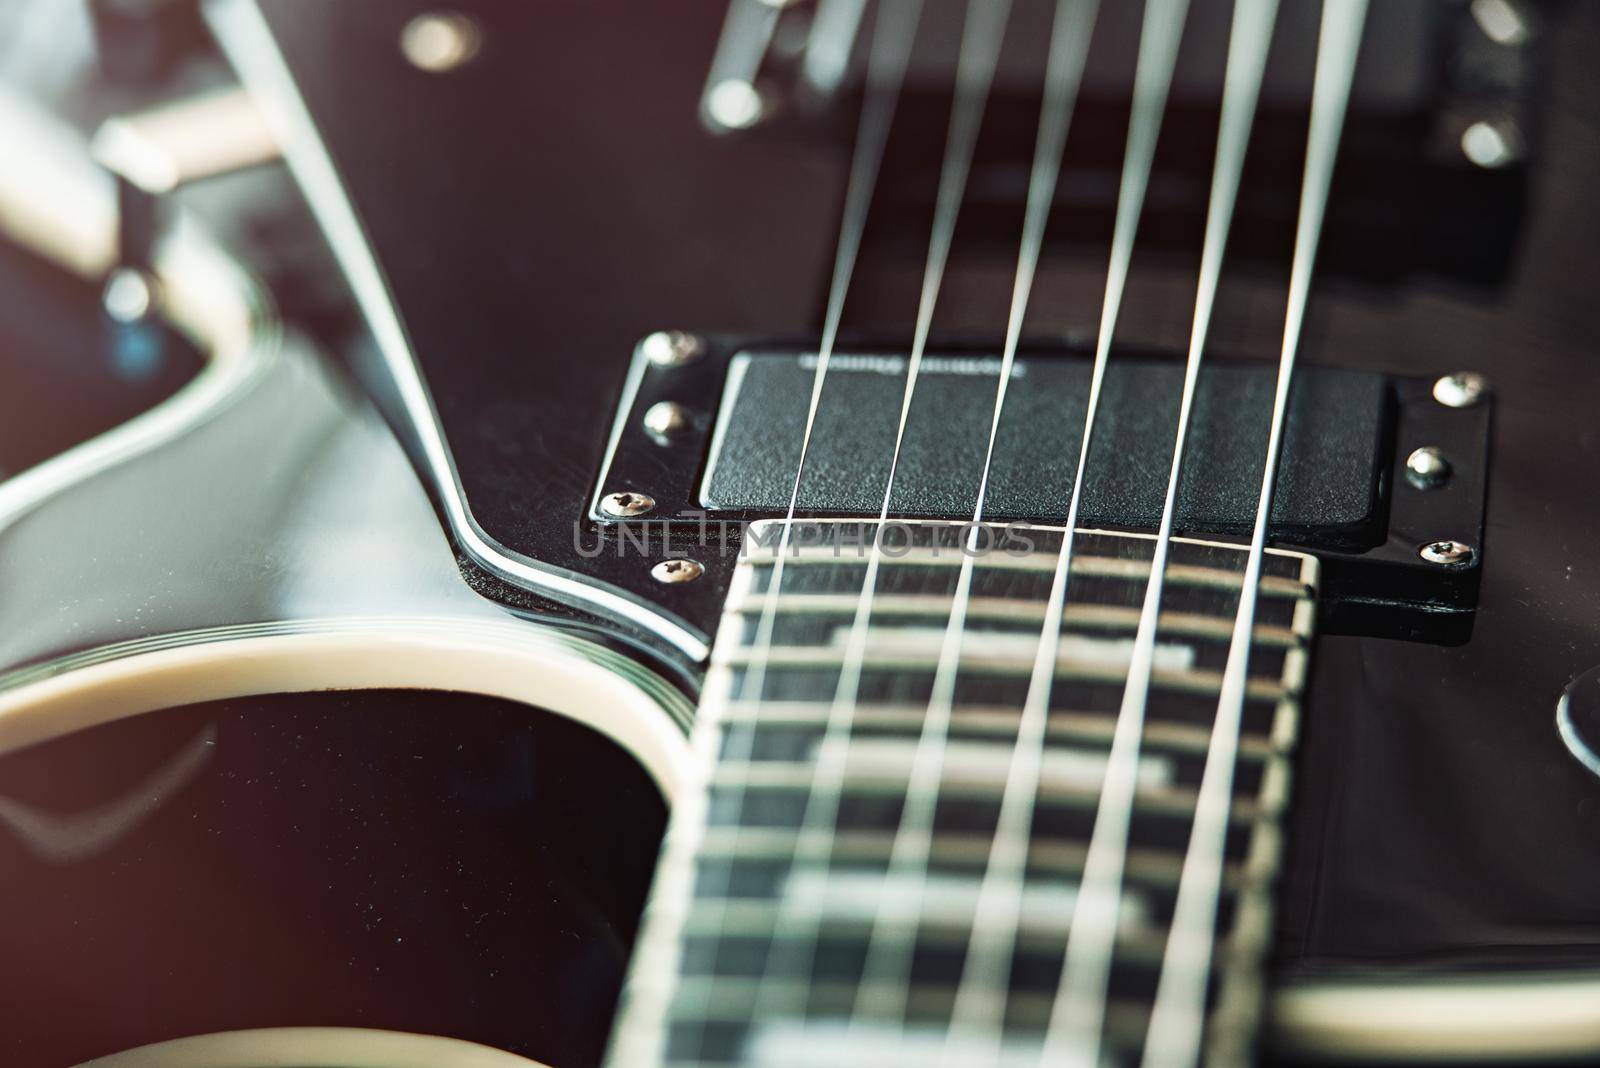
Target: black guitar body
1439,821
514,228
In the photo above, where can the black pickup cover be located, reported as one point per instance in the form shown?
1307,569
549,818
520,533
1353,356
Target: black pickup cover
1328,493
1343,491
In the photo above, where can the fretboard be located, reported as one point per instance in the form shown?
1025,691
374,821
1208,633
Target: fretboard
802,916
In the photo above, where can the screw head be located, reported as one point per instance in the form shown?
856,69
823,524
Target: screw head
673,572
666,420
129,296
1461,390
440,41
1426,468
626,504
1446,553
1502,21
735,104
672,348
1493,143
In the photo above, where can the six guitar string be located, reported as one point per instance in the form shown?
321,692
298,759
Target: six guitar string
1073,1033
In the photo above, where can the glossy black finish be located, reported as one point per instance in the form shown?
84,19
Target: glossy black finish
660,224
1440,823
406,860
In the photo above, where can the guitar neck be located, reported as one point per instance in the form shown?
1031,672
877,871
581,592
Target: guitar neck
820,895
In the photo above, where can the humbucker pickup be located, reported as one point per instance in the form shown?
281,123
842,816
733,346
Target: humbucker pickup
1345,490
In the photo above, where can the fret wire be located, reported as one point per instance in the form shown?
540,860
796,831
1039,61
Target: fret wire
751,856
885,965
1151,865
1004,609
985,755
1133,570
893,35
997,721
748,921
760,777
1178,1014
983,31
982,992
1190,681
729,998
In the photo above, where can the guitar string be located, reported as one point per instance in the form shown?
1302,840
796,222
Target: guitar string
1178,1014
977,517
981,994
983,31
1152,79
893,33
746,32
882,992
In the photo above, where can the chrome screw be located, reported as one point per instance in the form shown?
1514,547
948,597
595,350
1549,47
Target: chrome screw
1493,143
626,504
665,420
1448,553
672,348
129,296
1502,21
1426,468
673,572
1461,390
440,41
735,104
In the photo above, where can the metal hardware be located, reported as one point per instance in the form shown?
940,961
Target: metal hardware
731,100
1375,581
673,572
626,504
1447,553
1493,143
666,420
440,41
1502,21
672,348
154,153
735,104
1460,390
129,295
1426,468
167,147
834,31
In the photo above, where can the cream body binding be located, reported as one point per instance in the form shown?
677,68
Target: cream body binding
293,1047
403,619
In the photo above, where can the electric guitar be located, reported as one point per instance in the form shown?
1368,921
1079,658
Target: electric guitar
803,532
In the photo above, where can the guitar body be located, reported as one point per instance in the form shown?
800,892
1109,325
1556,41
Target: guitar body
510,229
279,813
